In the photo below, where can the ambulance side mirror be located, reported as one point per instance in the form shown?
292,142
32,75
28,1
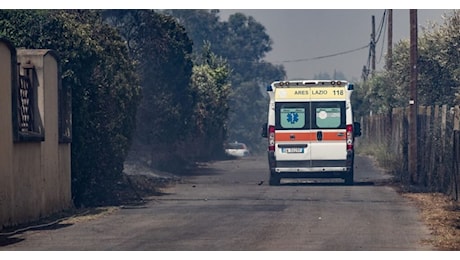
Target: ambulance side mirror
264,130
356,129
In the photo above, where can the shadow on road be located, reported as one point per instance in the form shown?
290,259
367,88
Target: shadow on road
335,183
200,170
364,183
9,238
5,241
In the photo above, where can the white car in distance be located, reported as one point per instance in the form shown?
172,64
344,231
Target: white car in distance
237,149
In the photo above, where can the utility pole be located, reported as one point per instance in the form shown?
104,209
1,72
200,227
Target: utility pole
389,64
373,45
390,40
413,99
364,73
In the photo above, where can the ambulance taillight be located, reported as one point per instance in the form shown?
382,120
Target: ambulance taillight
349,137
271,138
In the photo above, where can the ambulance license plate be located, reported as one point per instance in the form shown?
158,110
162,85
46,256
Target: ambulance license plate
293,150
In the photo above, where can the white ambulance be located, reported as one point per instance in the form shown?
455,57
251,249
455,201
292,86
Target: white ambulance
310,130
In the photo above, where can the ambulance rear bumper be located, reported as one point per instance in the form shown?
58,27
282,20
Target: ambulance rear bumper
311,168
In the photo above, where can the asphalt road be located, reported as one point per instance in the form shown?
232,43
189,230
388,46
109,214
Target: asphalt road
229,206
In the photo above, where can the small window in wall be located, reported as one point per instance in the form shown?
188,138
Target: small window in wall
65,113
27,122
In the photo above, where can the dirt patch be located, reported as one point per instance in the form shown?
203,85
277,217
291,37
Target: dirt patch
442,215
89,214
438,211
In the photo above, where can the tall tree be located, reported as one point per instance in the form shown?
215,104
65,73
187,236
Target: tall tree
163,52
210,83
203,26
105,91
243,42
437,63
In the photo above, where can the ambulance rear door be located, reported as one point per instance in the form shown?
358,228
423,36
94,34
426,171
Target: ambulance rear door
292,134
328,148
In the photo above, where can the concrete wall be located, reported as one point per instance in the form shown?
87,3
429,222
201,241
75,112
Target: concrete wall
35,175
7,55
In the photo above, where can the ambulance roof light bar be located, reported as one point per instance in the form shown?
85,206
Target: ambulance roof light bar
294,83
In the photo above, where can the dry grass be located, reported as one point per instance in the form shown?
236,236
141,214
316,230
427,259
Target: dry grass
442,215
90,214
439,212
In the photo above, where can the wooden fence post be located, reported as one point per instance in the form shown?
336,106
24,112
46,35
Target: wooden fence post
443,169
422,143
456,152
429,142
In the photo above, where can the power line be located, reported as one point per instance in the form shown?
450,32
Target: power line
381,26
380,29
325,56
383,43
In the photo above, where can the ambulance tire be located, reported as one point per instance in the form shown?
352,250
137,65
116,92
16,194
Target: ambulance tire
274,180
349,178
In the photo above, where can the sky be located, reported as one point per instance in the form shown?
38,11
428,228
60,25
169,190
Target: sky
309,37
308,42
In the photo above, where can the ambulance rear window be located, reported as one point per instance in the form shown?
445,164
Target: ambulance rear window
292,117
328,115
310,115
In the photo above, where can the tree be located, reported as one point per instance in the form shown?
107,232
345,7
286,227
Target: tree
439,62
437,65
163,52
203,26
211,87
243,42
105,92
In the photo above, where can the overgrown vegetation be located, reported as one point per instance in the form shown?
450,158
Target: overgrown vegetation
105,90
243,43
162,51
438,84
390,161
438,66
144,87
